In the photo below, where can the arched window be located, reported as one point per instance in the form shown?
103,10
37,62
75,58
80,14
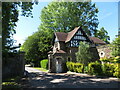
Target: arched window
69,59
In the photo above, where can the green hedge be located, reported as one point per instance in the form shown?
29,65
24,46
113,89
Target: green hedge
44,64
94,68
108,69
75,67
117,71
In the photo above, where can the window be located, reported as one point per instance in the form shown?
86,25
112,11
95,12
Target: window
102,54
69,59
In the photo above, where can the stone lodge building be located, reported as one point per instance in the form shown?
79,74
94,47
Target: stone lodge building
65,45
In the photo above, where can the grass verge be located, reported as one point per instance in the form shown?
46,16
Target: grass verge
41,69
11,82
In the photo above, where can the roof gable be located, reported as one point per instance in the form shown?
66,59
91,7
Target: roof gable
66,37
71,34
61,36
97,40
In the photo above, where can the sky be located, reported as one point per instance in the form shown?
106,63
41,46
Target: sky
107,16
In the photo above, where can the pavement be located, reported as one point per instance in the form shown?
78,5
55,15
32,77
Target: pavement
39,79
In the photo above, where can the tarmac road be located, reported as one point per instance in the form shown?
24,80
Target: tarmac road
39,79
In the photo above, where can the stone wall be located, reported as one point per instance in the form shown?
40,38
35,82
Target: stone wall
104,51
15,66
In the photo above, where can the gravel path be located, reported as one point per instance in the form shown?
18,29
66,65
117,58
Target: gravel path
39,79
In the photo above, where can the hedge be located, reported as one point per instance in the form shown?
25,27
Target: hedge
44,64
75,67
108,69
94,68
117,71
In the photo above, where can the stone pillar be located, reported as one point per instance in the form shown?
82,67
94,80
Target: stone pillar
50,58
22,63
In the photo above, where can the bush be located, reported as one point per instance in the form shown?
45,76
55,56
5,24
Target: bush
94,68
75,67
78,67
44,63
108,69
86,69
105,59
117,59
117,71
70,66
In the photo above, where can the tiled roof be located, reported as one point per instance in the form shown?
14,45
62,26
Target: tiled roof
61,36
60,51
71,34
66,37
97,40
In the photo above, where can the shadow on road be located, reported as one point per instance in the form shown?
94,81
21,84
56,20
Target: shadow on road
52,80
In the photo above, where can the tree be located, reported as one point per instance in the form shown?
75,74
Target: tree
115,46
36,47
10,15
103,35
84,55
65,16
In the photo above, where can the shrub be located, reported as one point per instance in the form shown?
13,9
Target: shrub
84,54
76,67
117,59
44,63
105,59
86,69
108,69
94,68
70,66
117,71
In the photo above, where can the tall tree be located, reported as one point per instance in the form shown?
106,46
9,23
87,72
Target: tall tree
103,35
65,16
84,54
115,46
10,15
36,47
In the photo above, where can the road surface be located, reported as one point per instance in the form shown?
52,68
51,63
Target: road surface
39,79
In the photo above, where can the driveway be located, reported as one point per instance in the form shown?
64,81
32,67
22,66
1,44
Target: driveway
39,79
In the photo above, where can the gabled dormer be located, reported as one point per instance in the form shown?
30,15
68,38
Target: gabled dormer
75,36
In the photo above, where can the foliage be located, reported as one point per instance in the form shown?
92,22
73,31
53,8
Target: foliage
103,35
105,59
94,68
84,55
76,67
85,69
115,47
10,13
11,82
10,85
117,59
44,63
41,69
36,47
70,66
108,69
59,16
117,71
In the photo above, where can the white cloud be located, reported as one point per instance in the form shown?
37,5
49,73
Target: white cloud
106,15
19,40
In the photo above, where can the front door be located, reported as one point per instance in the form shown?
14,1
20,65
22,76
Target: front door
58,65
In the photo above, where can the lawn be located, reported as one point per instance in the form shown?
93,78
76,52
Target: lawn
41,69
11,82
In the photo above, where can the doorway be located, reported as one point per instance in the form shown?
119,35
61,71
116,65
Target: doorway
58,65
